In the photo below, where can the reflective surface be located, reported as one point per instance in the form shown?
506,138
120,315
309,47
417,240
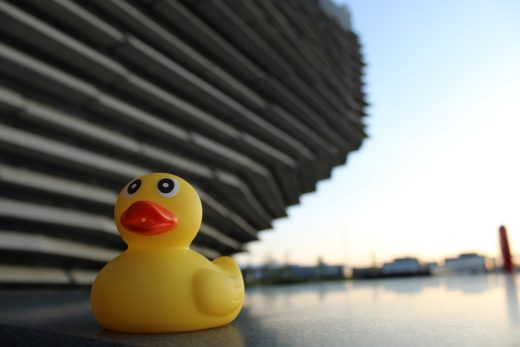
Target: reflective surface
452,311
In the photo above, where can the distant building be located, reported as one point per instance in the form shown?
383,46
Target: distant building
432,266
406,266
366,272
253,274
331,271
403,267
468,263
292,273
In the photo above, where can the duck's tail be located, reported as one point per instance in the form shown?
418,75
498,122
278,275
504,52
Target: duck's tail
228,265
219,291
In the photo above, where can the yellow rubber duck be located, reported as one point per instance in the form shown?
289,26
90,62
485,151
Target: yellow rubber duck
158,284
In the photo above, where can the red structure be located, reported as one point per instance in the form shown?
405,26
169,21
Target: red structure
506,252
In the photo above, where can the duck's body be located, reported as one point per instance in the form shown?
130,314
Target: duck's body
165,293
156,287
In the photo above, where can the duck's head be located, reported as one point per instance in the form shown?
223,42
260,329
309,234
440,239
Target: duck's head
158,209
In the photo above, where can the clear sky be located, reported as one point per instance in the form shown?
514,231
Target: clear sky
440,170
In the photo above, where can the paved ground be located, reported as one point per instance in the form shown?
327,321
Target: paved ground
462,311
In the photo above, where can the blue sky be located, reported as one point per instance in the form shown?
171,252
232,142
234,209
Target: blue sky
441,168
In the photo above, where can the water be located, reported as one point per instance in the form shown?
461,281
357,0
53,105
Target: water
427,311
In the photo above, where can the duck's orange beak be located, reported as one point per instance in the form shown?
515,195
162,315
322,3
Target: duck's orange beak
148,218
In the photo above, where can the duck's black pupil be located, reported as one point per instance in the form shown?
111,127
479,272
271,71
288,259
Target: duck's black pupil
134,186
166,185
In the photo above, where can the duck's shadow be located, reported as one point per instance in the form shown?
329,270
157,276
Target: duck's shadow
227,335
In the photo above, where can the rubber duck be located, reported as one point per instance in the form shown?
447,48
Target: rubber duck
158,284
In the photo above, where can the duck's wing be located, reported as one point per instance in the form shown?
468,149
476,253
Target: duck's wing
219,291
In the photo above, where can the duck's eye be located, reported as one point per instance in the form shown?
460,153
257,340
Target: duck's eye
133,187
168,187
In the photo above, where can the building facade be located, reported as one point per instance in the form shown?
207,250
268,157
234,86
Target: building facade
253,102
406,266
468,263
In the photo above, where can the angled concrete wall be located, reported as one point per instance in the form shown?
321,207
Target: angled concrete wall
252,101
